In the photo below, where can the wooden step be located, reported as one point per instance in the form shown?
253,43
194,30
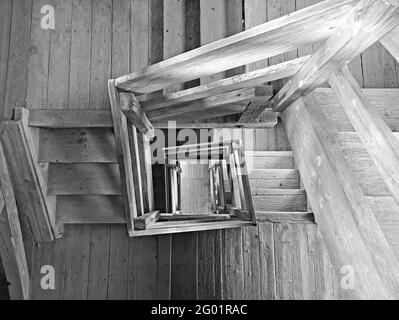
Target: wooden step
77,145
269,159
280,200
285,217
274,179
89,209
83,178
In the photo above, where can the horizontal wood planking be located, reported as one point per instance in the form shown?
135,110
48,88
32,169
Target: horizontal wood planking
70,118
77,145
269,160
84,178
285,217
274,179
269,39
90,209
284,200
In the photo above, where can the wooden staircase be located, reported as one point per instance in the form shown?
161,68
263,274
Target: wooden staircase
275,184
83,174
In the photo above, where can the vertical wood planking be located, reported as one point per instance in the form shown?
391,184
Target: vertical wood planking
119,241
79,71
39,53
18,56
60,47
5,32
100,72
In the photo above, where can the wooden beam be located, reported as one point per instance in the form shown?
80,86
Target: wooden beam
391,43
213,125
368,22
241,81
133,111
281,35
143,222
12,250
376,136
241,97
30,192
123,156
256,106
348,226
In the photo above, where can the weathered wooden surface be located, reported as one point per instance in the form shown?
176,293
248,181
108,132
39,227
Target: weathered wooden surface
70,52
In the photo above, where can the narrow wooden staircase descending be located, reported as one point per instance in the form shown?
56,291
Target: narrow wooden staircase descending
83,174
276,188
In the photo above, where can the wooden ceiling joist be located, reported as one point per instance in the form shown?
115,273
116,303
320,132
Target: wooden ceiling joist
367,23
278,36
374,133
241,81
236,101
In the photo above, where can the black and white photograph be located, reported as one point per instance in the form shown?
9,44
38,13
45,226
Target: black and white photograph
202,155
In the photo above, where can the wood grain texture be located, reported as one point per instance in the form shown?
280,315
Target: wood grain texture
347,42
240,49
12,250
301,128
376,136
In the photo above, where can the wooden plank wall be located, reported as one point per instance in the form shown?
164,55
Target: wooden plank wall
68,68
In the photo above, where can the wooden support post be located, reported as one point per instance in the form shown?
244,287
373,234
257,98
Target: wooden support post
123,156
132,109
12,249
30,191
374,133
349,228
367,23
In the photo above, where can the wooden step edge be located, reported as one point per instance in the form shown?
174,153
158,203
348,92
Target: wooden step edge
285,217
270,154
282,192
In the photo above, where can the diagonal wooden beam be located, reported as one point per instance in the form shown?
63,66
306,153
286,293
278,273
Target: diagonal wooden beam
391,43
281,35
120,124
133,111
30,191
368,22
12,248
238,99
347,224
241,81
374,133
